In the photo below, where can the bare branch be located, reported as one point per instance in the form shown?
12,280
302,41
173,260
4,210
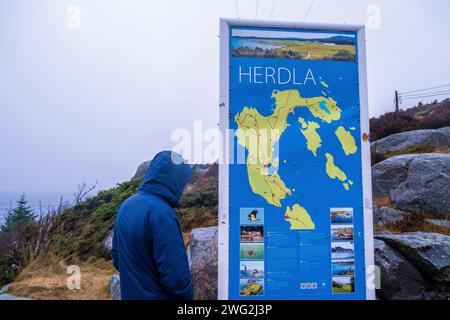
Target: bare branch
83,191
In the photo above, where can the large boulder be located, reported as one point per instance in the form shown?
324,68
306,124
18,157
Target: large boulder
114,287
429,252
400,280
414,183
389,174
384,216
428,140
202,256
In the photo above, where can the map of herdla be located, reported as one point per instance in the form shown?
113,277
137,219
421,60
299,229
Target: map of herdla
259,134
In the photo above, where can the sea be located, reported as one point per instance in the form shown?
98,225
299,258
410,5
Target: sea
253,43
36,200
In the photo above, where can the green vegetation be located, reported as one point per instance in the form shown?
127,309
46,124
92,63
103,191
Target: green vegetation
18,217
17,229
79,231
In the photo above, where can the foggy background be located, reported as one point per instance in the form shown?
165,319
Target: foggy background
87,104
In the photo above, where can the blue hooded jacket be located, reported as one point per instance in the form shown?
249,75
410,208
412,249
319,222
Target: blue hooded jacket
148,247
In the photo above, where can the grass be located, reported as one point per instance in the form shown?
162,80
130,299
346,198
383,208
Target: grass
79,232
414,222
418,150
383,202
46,279
317,51
421,149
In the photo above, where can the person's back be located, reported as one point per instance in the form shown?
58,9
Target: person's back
148,247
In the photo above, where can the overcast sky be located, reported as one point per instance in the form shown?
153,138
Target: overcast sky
92,103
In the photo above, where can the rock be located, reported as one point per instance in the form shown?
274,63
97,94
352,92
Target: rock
439,222
383,216
381,233
415,183
11,297
429,140
202,256
429,252
108,242
437,291
114,287
4,289
426,188
196,168
400,280
141,170
389,174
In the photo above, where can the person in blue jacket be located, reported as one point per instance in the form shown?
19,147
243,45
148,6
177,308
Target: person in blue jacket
148,248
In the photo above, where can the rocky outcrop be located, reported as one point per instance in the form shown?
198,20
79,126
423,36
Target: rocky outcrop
400,280
108,242
428,140
202,256
429,252
114,287
389,174
5,296
385,216
141,170
415,183
5,288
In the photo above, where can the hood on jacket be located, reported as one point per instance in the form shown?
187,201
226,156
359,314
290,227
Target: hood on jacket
166,176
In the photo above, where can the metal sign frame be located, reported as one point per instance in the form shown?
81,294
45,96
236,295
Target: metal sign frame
223,243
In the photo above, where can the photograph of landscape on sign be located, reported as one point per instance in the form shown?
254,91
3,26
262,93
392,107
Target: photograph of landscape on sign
252,251
249,287
311,46
252,269
343,284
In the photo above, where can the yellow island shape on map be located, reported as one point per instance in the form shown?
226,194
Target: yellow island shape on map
259,134
299,218
335,173
313,139
347,141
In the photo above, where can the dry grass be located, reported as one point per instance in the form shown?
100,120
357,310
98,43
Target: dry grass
417,150
45,279
376,157
414,222
384,202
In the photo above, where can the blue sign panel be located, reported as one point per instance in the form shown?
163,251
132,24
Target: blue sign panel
296,211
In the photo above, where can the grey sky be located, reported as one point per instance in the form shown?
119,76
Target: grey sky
93,103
